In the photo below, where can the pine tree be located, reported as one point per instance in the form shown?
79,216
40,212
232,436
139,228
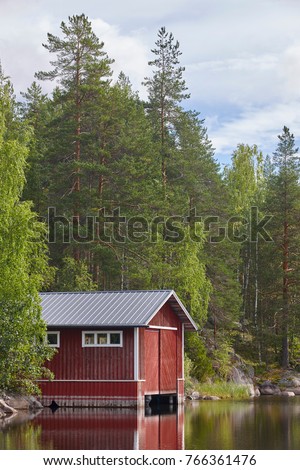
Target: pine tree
191,187
82,68
166,89
121,172
283,196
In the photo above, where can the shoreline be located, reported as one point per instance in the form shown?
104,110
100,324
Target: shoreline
287,384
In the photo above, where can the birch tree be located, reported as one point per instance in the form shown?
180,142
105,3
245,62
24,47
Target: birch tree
23,260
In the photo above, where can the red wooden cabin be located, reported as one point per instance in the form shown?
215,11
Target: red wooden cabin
114,348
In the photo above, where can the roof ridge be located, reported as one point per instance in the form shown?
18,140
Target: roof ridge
106,291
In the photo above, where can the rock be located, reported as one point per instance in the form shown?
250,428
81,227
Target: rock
239,376
286,393
18,402
211,397
296,391
243,375
194,396
290,380
284,382
34,404
268,388
6,409
251,390
256,392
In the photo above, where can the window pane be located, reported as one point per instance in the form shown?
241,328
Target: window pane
52,339
115,338
89,338
101,338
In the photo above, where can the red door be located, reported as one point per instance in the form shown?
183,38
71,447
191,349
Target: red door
160,361
168,355
152,362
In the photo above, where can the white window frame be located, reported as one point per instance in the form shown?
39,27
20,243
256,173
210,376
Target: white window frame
108,333
57,345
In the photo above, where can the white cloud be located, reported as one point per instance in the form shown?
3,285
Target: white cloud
237,80
290,72
259,126
21,51
242,58
128,51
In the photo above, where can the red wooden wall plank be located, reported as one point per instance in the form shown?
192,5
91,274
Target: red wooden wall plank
88,389
166,317
74,362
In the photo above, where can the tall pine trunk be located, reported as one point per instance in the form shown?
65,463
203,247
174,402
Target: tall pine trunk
285,299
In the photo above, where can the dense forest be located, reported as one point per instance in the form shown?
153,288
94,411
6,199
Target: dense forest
101,190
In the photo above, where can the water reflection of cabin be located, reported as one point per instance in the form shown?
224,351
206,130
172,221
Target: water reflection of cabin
115,348
110,429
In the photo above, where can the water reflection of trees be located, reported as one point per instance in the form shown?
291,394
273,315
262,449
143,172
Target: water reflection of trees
20,432
263,423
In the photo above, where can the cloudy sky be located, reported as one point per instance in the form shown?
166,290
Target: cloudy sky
242,57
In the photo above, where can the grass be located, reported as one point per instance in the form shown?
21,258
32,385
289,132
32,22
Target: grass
224,390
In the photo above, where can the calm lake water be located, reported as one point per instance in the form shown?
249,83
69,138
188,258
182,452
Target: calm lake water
262,423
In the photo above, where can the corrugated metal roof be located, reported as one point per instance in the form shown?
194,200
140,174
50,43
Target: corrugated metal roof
109,309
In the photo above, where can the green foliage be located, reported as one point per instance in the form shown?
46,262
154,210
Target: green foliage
82,69
245,177
74,276
174,265
221,358
201,364
268,267
77,55
166,89
281,292
246,187
23,261
35,111
189,381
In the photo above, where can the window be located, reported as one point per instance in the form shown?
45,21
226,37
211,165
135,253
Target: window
102,339
89,339
53,338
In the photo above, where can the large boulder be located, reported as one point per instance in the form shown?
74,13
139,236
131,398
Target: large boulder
242,374
211,397
34,404
196,396
296,391
20,402
5,409
286,393
290,379
268,388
